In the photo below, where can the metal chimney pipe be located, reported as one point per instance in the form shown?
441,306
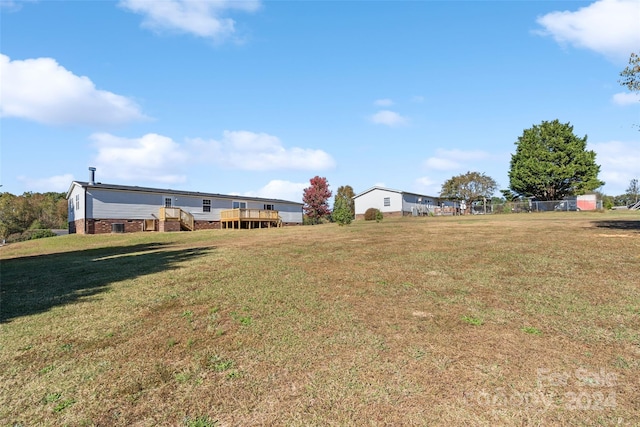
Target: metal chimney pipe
92,176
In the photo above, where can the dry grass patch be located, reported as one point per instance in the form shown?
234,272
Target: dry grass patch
518,319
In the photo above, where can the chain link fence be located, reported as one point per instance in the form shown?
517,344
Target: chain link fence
530,206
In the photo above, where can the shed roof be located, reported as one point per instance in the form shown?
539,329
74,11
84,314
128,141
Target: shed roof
130,188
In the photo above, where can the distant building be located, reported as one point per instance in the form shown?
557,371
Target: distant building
96,208
400,203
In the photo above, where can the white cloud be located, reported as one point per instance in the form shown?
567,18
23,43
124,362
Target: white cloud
58,183
13,5
386,102
428,186
626,98
10,5
445,160
618,164
609,27
258,152
278,189
44,91
388,118
153,157
201,18
157,158
442,164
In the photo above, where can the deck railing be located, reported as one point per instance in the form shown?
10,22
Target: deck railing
249,214
251,218
177,214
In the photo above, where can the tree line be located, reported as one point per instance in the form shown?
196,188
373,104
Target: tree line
21,216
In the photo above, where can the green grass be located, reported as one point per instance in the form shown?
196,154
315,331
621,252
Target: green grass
410,321
475,321
200,422
531,330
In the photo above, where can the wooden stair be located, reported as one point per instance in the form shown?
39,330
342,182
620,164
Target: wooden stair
186,219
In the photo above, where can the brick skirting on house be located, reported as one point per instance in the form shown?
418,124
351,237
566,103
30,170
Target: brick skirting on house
104,226
207,225
165,226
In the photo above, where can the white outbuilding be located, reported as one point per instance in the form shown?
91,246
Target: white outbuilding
398,203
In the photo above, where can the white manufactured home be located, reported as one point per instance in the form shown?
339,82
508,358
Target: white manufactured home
399,203
105,208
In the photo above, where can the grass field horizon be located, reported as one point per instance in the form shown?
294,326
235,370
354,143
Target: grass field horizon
528,319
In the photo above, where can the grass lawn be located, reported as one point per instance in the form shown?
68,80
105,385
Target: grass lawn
529,319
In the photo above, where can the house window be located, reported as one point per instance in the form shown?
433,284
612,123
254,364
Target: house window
206,205
387,201
167,202
70,206
268,207
239,205
77,202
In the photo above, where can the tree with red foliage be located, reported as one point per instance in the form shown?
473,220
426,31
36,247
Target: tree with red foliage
315,198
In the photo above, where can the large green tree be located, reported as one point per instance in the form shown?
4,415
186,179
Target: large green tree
343,205
469,187
551,163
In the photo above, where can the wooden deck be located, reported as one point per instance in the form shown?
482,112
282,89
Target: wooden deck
249,218
176,214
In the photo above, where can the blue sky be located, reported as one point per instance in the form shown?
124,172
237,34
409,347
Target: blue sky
255,98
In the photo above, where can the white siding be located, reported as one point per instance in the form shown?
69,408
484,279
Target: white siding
75,203
114,204
289,212
193,205
376,199
420,204
387,201
121,204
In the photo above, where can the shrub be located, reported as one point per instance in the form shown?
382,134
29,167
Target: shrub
39,234
30,235
372,214
341,212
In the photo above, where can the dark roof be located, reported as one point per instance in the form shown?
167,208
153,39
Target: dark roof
179,192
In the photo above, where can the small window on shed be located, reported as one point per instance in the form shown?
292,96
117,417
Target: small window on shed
77,202
387,201
206,205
